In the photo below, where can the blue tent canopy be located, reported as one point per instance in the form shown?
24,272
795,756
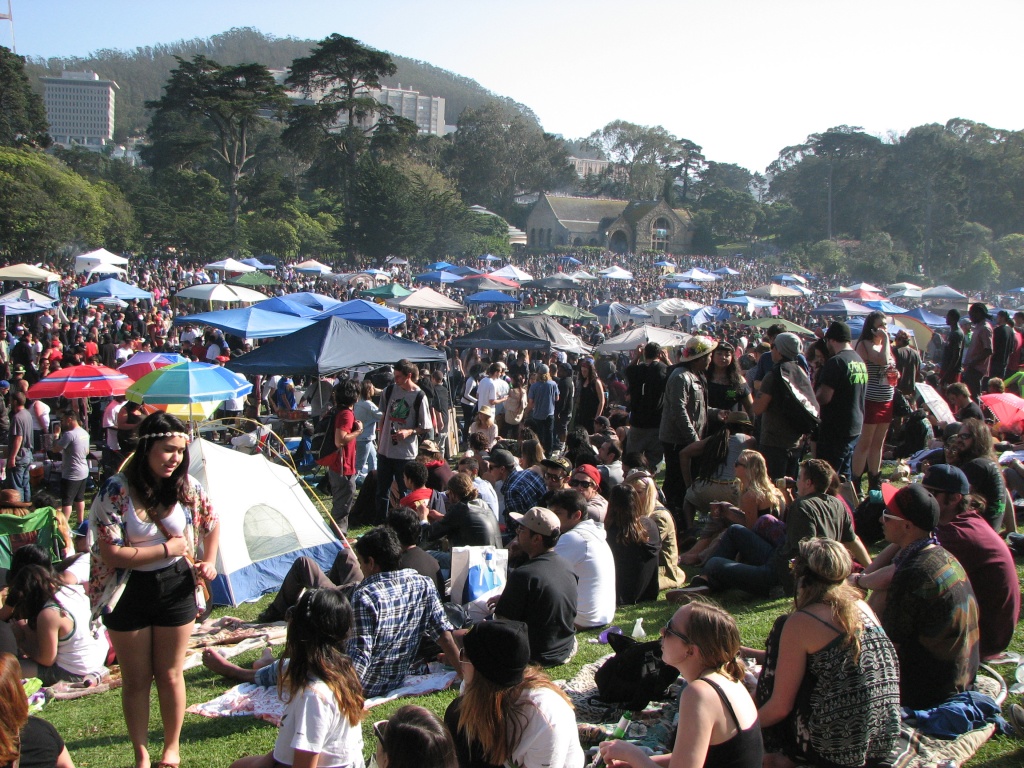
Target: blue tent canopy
366,313
437,277
491,297
885,306
841,307
254,262
489,257
664,263
709,315
248,322
928,318
285,306
439,266
684,286
329,346
111,288
316,301
615,313
569,260
747,302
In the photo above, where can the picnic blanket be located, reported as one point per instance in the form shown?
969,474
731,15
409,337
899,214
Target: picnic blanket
263,703
232,637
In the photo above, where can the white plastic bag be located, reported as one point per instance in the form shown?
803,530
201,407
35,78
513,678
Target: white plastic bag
478,574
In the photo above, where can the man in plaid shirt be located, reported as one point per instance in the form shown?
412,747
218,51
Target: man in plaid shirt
521,488
394,608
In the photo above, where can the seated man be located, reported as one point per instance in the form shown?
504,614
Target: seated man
393,607
542,593
583,545
414,476
521,488
931,614
610,456
467,523
744,560
406,524
586,479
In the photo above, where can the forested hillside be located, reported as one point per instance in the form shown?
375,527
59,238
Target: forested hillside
143,72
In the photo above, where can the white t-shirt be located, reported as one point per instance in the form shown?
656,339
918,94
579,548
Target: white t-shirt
485,390
586,549
110,423
313,723
550,738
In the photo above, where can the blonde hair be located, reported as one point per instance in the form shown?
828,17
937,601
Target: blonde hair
648,492
821,569
758,481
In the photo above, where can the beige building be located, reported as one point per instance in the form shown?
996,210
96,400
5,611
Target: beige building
620,225
426,111
80,109
588,167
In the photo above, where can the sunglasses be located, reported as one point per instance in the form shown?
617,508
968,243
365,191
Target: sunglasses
887,516
553,477
667,630
380,728
740,464
581,483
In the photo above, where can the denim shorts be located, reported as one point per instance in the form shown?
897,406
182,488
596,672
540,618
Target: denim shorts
162,598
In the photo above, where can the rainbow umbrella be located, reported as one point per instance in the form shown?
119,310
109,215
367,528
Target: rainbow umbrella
138,365
81,381
189,382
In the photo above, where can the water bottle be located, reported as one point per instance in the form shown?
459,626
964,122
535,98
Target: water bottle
619,732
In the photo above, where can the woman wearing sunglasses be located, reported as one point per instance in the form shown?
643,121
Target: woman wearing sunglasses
323,693
718,723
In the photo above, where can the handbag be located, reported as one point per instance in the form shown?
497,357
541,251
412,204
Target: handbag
202,588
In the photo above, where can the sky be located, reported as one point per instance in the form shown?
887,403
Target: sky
741,78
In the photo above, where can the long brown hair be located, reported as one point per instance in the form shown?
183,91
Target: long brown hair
495,718
31,589
624,514
713,630
316,635
13,708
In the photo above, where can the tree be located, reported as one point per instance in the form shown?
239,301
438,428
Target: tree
22,114
213,112
732,215
641,153
1008,252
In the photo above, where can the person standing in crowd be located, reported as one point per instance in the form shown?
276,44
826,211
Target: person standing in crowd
978,358
1004,346
840,394
589,395
780,437
645,380
341,465
951,367
684,418
540,407
369,415
72,443
566,401
406,420
19,447
873,348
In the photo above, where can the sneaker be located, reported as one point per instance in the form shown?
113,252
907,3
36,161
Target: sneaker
1017,720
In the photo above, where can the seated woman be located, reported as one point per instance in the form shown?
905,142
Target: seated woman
972,451
717,720
532,454
757,496
509,712
414,737
323,693
484,424
635,542
829,693
670,575
26,741
52,628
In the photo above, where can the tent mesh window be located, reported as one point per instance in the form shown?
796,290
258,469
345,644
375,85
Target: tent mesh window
268,533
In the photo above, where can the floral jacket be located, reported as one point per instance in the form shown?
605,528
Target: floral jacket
107,523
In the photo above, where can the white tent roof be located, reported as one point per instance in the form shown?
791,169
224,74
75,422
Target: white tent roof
266,521
230,265
87,261
582,274
312,265
106,269
426,298
617,273
630,340
513,273
220,292
28,273
671,306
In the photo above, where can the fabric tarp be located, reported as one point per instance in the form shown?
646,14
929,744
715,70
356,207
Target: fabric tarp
558,309
637,337
366,313
248,322
537,332
329,346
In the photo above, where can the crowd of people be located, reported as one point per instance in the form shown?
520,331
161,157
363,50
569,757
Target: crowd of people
771,442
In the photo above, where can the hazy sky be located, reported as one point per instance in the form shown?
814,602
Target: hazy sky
741,78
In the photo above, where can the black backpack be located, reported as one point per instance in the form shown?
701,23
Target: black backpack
323,434
635,675
794,395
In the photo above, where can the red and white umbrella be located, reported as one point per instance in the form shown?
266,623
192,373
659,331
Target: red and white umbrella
81,381
140,364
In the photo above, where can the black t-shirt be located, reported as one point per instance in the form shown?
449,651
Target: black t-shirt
843,415
908,363
986,480
41,745
542,593
970,411
646,386
424,565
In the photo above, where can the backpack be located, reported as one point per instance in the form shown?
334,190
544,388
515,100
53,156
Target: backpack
323,434
794,396
635,675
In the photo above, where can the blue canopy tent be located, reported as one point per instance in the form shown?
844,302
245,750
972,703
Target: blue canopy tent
748,303
252,261
885,306
928,318
726,271
329,346
491,297
788,278
665,263
614,313
247,322
569,260
285,306
316,301
439,266
684,286
709,315
437,277
111,288
366,313
843,307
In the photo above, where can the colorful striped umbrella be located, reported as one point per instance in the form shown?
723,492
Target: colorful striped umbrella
140,364
188,382
81,381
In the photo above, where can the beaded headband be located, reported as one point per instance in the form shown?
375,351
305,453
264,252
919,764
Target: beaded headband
154,435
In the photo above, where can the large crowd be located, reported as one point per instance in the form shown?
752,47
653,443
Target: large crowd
753,455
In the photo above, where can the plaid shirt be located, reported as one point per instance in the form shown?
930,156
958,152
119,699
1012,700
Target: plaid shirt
393,610
522,490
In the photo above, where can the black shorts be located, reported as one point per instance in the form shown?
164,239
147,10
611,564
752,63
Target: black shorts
72,491
164,598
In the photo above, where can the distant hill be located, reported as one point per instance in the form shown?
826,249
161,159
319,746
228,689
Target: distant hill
142,73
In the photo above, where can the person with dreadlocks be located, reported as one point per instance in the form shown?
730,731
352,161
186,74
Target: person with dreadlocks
711,478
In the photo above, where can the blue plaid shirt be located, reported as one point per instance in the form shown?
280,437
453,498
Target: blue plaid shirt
393,610
522,490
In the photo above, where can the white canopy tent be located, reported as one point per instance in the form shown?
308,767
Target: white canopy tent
99,257
630,340
665,311
220,292
426,298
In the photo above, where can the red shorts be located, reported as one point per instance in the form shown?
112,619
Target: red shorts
877,413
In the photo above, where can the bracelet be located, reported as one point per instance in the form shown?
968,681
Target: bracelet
167,552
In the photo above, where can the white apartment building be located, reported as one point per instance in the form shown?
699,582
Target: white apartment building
80,109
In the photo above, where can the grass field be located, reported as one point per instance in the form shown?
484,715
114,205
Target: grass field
95,733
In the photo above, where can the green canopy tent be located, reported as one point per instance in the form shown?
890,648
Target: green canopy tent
389,291
250,279
558,309
791,327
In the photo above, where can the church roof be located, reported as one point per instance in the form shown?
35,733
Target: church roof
636,211
584,209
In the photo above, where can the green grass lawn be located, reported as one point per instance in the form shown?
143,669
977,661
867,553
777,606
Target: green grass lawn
95,733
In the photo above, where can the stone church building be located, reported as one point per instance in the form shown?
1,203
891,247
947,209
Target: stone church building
619,225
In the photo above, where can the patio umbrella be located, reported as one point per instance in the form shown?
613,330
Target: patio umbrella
141,363
1006,407
774,291
230,265
312,267
81,381
188,382
942,292
764,322
111,288
221,292
389,291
